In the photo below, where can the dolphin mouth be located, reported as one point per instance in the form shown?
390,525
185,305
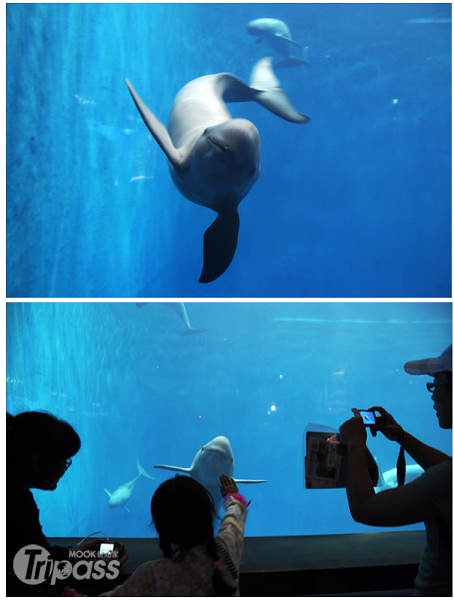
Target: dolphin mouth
220,145
223,148
214,451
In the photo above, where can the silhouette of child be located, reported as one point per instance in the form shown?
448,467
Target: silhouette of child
196,563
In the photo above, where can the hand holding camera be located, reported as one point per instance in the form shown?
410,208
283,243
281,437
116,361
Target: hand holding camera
388,426
353,430
383,422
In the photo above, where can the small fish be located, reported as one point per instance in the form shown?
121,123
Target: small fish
140,177
113,134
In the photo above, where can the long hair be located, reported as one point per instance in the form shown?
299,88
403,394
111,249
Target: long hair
183,511
38,433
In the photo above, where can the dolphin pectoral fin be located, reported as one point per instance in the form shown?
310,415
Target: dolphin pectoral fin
107,492
292,61
287,39
157,129
170,468
249,480
266,90
219,245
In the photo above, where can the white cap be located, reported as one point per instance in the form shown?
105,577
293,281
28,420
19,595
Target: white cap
430,366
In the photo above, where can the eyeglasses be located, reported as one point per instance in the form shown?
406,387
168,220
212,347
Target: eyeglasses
432,386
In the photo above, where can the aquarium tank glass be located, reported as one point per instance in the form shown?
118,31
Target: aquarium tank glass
152,383
354,204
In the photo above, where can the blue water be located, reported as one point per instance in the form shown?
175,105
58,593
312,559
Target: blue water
356,203
135,388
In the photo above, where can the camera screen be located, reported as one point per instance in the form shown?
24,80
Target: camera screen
368,416
105,548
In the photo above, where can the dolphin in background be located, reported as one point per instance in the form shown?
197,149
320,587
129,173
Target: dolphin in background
123,493
114,134
388,479
213,459
278,36
180,309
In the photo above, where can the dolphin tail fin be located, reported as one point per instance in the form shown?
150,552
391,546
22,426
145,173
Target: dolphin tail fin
142,470
219,245
107,492
171,468
250,480
157,129
267,92
292,61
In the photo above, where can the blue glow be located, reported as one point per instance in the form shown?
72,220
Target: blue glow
135,388
355,204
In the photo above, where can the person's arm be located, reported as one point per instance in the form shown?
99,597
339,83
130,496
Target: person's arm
231,531
424,455
398,506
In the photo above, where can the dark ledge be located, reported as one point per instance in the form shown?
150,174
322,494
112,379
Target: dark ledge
309,565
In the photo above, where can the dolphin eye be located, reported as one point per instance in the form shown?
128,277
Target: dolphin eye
252,172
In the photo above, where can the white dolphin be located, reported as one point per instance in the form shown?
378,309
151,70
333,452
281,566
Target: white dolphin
214,160
209,463
123,493
388,479
277,34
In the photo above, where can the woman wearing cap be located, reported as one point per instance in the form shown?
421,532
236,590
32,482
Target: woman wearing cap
428,498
